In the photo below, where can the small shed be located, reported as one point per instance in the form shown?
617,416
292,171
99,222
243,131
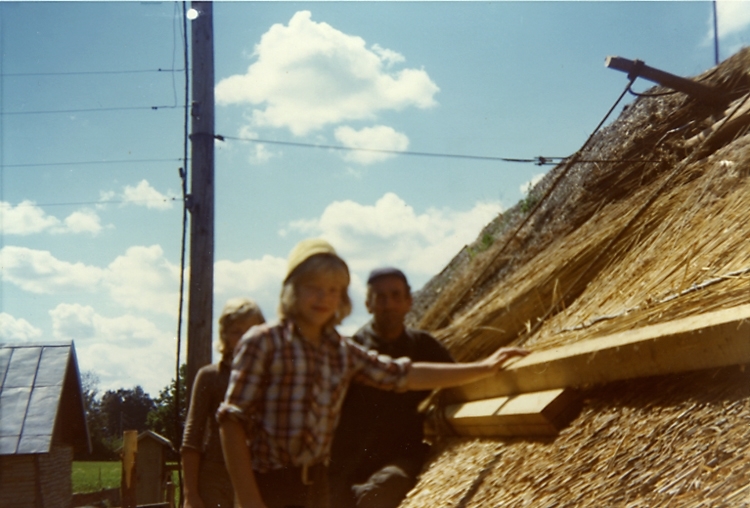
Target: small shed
42,423
151,467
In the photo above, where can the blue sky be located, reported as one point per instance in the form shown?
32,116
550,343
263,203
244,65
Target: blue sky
89,187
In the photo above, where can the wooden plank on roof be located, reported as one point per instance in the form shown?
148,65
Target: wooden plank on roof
529,414
703,341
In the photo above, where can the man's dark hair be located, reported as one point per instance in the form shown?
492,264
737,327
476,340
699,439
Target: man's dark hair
389,271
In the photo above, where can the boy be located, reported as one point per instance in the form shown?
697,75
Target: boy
288,382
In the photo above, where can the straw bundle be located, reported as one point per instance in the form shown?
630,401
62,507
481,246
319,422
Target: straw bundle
667,225
657,442
657,235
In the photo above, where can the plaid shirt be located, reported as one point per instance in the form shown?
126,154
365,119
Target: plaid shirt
288,392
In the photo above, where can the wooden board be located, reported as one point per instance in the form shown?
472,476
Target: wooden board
703,341
529,414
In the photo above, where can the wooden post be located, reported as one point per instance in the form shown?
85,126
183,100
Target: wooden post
128,480
201,200
636,68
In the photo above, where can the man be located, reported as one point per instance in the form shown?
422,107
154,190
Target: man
378,448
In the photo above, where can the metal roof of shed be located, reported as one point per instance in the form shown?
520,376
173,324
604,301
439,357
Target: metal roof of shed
40,399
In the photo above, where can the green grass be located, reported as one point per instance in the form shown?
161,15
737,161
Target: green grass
94,476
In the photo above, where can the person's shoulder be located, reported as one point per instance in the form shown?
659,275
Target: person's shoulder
261,332
365,335
207,376
421,335
208,371
426,342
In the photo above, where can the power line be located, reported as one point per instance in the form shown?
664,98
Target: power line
183,243
89,73
89,110
538,160
82,163
105,202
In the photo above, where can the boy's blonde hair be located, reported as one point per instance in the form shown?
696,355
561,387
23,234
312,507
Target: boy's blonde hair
326,264
234,310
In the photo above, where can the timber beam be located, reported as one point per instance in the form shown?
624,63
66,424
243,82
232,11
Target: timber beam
528,414
636,68
709,340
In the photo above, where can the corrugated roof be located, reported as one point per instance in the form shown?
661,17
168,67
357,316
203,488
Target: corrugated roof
40,398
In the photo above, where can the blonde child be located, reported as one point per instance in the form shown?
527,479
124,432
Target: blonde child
206,481
289,379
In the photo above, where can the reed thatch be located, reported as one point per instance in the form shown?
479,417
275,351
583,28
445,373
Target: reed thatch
646,224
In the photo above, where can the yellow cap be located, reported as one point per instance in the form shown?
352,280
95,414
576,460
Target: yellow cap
306,249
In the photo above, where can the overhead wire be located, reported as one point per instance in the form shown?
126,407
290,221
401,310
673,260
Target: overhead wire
90,110
544,161
574,159
94,162
102,202
2,139
90,73
636,216
183,176
538,160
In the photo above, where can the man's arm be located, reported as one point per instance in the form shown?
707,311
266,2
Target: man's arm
428,375
239,465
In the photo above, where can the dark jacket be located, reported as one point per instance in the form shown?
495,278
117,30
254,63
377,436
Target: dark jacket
378,427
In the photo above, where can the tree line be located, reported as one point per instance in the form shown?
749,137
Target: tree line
115,411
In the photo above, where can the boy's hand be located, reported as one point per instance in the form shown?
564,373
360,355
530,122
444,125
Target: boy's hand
496,360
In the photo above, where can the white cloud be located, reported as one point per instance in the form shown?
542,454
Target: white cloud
388,56
392,232
39,271
249,275
27,218
117,349
379,137
733,16
83,221
260,152
12,329
526,187
144,194
143,279
308,75
259,279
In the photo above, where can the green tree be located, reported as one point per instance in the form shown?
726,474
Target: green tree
126,409
165,419
102,446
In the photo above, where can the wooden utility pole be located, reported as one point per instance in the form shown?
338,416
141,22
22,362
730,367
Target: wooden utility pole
201,199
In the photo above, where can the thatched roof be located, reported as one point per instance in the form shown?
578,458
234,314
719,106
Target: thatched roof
653,228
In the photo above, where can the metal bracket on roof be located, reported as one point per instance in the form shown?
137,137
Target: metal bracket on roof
637,68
